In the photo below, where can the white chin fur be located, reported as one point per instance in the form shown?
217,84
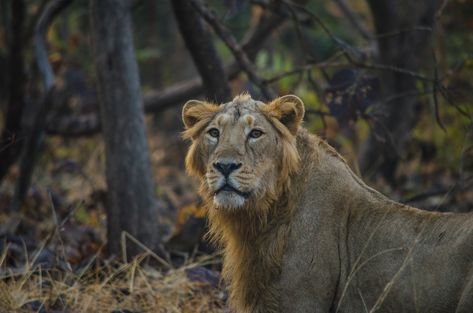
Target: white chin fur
228,200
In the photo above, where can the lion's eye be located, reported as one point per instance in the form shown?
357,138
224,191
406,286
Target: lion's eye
255,133
213,132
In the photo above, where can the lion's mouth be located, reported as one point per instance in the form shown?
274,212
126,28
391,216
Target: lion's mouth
230,188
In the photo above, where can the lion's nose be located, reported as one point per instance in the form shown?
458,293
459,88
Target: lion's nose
226,168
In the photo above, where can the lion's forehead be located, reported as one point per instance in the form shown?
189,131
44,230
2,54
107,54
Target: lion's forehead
239,106
244,110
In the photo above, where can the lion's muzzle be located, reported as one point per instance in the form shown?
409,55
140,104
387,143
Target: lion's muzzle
228,187
227,190
226,168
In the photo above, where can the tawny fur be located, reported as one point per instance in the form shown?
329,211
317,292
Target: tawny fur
318,239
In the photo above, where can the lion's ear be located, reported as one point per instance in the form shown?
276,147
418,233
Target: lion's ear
289,110
192,112
195,111
195,115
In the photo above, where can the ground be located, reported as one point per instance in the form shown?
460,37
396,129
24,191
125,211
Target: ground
53,255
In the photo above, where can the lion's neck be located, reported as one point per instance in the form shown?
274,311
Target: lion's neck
253,248
254,243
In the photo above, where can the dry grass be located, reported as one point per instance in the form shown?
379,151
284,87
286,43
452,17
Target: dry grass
105,288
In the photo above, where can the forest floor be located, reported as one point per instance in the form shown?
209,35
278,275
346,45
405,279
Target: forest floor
52,251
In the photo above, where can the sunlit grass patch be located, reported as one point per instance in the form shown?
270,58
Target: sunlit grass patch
113,287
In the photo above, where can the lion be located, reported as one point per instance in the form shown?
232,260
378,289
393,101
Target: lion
301,232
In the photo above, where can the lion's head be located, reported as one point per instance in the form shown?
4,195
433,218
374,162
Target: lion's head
243,151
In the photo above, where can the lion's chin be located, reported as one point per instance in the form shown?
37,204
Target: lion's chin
228,200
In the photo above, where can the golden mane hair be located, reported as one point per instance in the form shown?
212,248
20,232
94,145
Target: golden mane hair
320,239
251,259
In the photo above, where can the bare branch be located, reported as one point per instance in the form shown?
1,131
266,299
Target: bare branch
392,68
351,53
36,132
41,51
294,71
354,20
255,37
199,44
300,35
234,47
406,94
440,10
73,126
30,29
318,112
404,30
317,19
157,101
436,103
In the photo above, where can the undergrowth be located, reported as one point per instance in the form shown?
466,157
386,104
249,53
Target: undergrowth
110,286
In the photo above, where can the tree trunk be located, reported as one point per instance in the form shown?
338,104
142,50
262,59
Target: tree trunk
12,135
199,43
131,205
35,132
404,48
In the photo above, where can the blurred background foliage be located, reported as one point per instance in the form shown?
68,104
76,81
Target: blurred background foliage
343,99
72,167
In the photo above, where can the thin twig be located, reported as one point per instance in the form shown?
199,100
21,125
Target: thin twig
410,93
282,75
317,112
125,235
329,63
387,132
229,40
350,52
313,16
386,67
156,101
41,52
404,30
299,34
354,20
445,93
34,20
440,10
319,93
198,40
426,195
434,94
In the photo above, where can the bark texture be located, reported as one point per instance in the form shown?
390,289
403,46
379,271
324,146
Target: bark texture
157,101
404,43
12,134
199,43
34,137
131,205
